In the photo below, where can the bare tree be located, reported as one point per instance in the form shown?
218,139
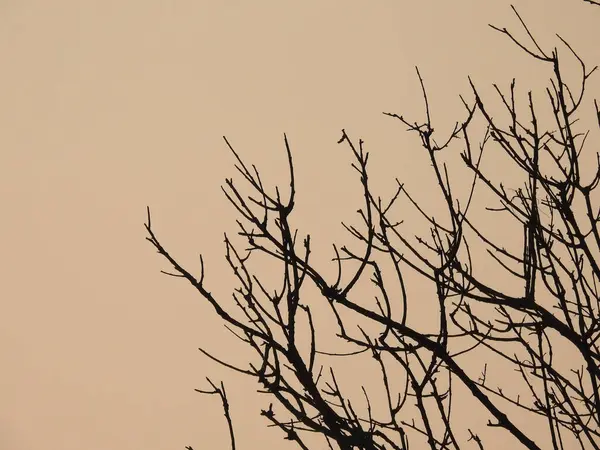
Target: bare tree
555,267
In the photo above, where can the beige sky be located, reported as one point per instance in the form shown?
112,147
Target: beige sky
109,106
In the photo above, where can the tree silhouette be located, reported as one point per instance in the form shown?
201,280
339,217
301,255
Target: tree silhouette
551,303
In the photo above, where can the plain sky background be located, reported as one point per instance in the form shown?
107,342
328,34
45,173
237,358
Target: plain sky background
109,106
